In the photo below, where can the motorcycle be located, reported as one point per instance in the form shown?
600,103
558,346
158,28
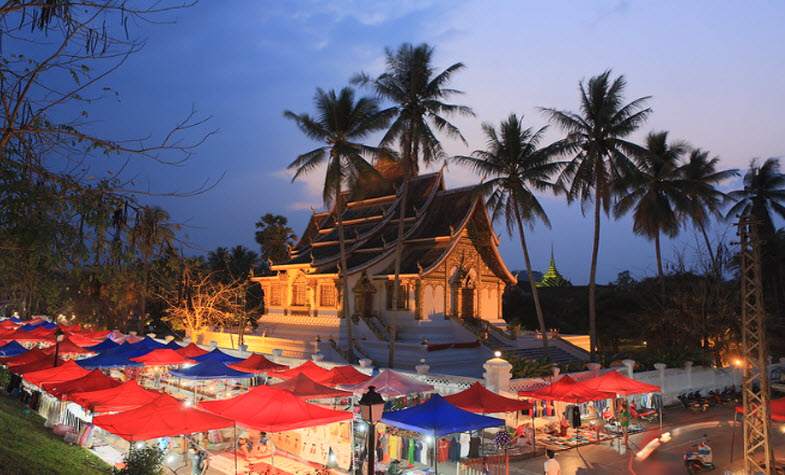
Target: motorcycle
696,465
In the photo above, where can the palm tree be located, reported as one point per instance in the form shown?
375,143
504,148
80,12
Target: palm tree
656,192
596,140
417,92
701,176
516,167
762,195
339,123
151,234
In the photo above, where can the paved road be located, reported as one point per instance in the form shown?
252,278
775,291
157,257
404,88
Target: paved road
687,429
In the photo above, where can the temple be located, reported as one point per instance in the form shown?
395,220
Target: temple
449,309
552,277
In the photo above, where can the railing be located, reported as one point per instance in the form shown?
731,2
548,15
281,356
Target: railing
488,334
378,327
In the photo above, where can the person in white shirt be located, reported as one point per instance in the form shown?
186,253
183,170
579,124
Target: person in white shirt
552,466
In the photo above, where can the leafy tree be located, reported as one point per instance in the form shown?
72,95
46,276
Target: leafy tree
232,264
515,167
274,237
596,140
656,192
418,94
341,121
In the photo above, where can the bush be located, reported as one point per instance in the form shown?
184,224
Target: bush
145,461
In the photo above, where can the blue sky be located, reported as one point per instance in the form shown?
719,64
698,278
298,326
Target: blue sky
716,71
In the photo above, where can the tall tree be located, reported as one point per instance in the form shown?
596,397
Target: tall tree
235,263
274,237
763,194
701,178
763,198
655,192
516,167
596,139
151,234
340,122
418,94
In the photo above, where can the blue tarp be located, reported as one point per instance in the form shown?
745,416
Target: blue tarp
438,417
211,370
12,349
107,344
16,319
217,355
173,345
121,356
46,325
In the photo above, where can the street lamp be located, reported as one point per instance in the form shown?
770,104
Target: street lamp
59,336
371,408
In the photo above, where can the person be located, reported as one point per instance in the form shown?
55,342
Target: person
704,452
564,424
198,460
552,466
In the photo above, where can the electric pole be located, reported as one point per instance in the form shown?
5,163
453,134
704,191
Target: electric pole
755,380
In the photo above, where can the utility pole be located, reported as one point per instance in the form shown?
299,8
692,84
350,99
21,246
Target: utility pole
758,457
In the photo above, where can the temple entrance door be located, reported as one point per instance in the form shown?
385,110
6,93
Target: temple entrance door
467,302
367,304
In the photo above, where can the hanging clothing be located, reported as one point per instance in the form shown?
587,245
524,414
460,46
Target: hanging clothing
465,438
443,450
454,450
474,446
410,451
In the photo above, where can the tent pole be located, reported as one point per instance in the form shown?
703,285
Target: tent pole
662,404
534,431
435,453
235,448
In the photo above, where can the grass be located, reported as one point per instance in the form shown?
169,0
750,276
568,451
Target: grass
27,447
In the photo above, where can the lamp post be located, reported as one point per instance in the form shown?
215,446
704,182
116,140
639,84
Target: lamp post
59,336
371,408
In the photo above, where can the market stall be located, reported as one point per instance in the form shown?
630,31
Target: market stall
106,344
191,351
305,388
209,379
216,356
344,376
11,349
257,364
282,431
438,422
391,384
309,368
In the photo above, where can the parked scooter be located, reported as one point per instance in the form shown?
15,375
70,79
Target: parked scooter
695,465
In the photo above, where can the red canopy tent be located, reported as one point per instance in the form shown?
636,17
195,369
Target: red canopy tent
776,409
92,381
476,398
124,397
614,382
27,357
84,340
565,389
306,388
68,347
37,365
257,363
56,374
309,368
389,383
273,410
36,335
163,417
344,375
191,351
162,357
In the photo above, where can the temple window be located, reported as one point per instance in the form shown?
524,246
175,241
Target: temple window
299,295
403,296
275,295
327,295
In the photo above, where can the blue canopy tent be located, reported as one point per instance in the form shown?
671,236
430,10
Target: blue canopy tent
30,327
121,356
16,319
107,344
173,345
11,349
211,370
218,356
437,418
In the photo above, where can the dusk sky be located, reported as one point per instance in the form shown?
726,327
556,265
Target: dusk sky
716,71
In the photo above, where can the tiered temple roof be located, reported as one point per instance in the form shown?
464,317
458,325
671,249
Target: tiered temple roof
434,220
